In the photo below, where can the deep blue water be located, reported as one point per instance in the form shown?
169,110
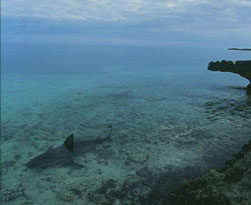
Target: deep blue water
168,112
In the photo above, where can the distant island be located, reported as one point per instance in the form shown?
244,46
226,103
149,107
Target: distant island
240,49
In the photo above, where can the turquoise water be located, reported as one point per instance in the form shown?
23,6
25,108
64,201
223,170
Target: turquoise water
172,120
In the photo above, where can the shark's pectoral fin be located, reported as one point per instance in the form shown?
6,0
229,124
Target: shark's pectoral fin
68,143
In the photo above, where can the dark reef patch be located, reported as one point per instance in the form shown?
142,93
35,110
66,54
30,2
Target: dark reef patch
147,187
230,185
228,108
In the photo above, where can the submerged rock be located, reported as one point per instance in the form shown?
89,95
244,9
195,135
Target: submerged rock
12,194
243,68
230,185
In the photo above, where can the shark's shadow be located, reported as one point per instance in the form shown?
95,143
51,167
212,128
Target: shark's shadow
124,95
63,156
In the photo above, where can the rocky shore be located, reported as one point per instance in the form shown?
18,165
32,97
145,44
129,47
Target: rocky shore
242,68
229,186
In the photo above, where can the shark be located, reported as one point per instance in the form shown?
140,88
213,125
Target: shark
63,155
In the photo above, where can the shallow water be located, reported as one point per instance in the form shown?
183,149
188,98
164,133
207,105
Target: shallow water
172,120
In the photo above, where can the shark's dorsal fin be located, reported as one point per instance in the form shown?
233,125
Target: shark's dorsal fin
68,143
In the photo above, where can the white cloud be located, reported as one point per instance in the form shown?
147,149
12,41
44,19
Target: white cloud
191,16
103,10
111,10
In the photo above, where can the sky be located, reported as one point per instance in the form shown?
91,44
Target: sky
195,23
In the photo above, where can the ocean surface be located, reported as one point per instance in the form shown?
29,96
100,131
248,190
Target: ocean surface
172,120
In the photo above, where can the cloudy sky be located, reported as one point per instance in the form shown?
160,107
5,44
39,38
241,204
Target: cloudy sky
151,22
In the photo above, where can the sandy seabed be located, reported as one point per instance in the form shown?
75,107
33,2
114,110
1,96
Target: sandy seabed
163,135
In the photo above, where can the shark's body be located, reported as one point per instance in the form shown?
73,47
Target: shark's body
64,154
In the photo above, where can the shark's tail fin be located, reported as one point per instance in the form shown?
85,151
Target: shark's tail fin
68,143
